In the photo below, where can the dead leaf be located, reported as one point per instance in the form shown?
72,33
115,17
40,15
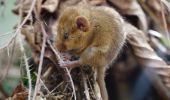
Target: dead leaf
131,8
20,93
96,2
154,9
145,54
24,5
50,5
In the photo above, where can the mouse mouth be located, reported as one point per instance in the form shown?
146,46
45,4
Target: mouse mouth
73,51
76,51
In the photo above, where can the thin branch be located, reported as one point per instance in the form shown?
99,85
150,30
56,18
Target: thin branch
37,87
47,73
59,58
4,34
56,87
43,84
48,91
91,87
64,90
85,86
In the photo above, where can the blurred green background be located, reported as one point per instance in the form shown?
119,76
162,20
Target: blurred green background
7,21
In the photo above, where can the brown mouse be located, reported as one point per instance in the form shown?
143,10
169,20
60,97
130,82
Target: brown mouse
95,34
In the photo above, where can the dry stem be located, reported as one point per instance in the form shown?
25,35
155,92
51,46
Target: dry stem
27,67
85,86
59,58
37,87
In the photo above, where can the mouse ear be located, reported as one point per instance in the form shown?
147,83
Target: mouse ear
82,23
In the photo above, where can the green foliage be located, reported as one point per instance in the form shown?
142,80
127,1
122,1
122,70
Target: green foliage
33,79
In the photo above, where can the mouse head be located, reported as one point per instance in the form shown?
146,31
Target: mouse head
72,31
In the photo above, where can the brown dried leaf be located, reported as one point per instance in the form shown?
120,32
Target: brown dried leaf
96,2
67,3
18,89
29,33
22,4
154,10
50,5
20,93
131,8
145,54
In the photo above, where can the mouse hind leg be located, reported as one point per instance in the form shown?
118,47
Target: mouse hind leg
101,82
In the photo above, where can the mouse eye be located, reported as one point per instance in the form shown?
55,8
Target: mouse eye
66,35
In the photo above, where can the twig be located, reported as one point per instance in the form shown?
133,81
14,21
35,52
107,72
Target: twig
45,86
4,34
71,80
18,30
47,72
59,58
65,88
37,87
27,67
85,86
56,87
91,87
